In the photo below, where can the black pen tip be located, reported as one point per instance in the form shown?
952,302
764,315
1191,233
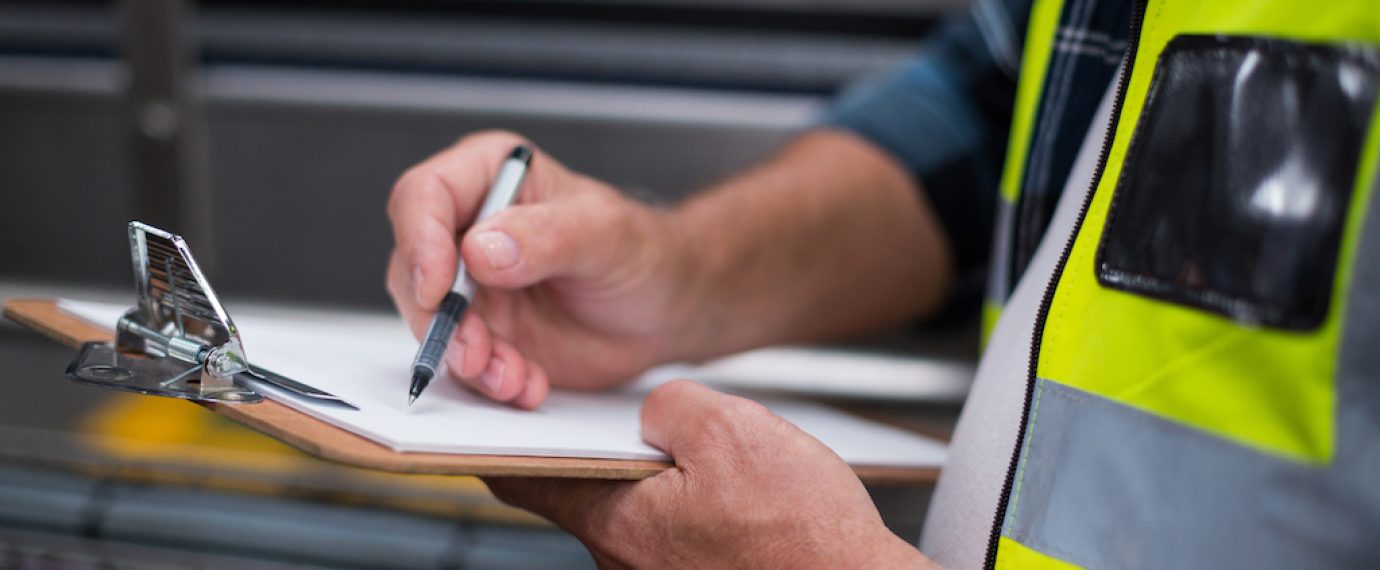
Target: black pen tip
419,381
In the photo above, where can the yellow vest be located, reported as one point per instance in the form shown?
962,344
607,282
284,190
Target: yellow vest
1204,385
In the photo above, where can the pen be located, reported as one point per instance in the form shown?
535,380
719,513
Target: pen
501,195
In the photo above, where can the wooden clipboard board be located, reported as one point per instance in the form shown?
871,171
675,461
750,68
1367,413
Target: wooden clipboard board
331,443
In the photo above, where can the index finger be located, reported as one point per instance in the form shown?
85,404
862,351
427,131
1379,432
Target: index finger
431,203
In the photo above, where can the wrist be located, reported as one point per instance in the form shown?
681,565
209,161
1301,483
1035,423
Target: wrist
685,256
878,548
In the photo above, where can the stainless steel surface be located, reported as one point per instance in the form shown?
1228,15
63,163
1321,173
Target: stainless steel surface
664,52
163,107
173,292
178,341
261,374
794,46
178,322
99,364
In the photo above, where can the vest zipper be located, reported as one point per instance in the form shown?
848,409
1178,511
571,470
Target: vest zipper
1132,44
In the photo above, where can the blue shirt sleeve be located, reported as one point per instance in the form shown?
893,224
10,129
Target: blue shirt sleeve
945,116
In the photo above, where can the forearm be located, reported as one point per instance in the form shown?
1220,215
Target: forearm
829,238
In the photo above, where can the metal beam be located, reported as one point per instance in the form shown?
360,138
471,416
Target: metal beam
164,116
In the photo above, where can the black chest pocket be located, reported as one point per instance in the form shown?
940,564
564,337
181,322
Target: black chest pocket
1235,187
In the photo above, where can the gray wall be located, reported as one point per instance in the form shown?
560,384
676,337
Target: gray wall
299,175
302,149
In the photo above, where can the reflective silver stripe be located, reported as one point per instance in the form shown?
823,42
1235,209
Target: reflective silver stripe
1358,359
1112,486
1358,379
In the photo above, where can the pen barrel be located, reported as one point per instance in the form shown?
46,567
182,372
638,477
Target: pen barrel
438,335
502,194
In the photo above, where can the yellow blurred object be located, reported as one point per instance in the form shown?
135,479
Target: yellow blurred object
166,431
148,428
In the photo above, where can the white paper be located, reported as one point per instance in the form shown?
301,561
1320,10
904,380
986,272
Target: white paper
366,360
825,372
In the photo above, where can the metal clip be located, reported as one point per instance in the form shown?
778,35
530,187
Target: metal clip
178,341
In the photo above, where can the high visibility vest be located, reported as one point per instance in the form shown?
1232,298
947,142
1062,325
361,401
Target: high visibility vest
1204,380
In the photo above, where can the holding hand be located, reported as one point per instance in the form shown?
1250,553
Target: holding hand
749,490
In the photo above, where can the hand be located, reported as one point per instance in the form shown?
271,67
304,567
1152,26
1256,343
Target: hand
588,283
829,238
748,490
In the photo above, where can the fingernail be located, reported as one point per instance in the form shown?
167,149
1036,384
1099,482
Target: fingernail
493,375
417,284
501,250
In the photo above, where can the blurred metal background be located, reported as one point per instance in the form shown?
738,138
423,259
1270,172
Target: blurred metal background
300,115
250,125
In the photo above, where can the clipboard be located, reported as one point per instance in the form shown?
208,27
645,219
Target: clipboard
331,443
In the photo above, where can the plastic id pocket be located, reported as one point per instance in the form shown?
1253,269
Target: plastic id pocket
1236,184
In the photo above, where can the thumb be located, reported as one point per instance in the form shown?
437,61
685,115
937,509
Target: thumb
686,419
527,244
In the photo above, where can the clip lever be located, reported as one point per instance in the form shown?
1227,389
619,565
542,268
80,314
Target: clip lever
178,341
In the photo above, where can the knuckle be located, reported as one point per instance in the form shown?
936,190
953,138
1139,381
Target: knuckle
608,209
663,399
668,394
602,201
400,192
743,410
735,420
619,222
721,419
390,283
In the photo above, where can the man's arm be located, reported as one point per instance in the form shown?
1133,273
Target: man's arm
829,238
945,117
903,178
